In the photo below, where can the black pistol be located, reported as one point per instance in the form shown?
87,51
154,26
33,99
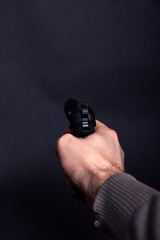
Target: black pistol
82,123
80,116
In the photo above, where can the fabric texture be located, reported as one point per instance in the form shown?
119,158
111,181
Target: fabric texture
129,208
103,52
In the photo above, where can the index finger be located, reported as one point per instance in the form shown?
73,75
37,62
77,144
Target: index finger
100,125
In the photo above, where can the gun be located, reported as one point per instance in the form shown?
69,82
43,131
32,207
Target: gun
82,123
80,116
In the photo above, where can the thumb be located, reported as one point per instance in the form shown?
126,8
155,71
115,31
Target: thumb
66,150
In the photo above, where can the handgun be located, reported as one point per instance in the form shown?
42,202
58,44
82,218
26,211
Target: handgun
80,116
82,123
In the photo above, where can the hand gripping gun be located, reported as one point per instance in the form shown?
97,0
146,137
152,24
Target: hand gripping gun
82,123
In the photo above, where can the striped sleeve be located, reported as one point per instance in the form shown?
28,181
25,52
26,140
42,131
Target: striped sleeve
118,200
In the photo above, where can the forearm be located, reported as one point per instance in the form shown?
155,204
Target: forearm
95,164
126,206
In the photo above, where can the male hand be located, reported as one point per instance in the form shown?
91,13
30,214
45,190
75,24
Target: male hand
88,162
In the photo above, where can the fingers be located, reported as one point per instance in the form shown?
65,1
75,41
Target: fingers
67,130
100,126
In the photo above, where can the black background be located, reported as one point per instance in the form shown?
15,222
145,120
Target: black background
102,51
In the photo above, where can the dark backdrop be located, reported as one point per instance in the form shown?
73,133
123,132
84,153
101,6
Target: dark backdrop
102,51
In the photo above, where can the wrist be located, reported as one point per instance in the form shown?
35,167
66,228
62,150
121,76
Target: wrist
96,183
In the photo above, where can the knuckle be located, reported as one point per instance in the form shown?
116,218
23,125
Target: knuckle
62,141
113,133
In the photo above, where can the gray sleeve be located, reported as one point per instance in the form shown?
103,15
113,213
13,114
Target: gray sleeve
129,208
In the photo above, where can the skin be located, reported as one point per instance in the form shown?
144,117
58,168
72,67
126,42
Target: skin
88,162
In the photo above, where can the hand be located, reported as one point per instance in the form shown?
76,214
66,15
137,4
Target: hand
88,162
